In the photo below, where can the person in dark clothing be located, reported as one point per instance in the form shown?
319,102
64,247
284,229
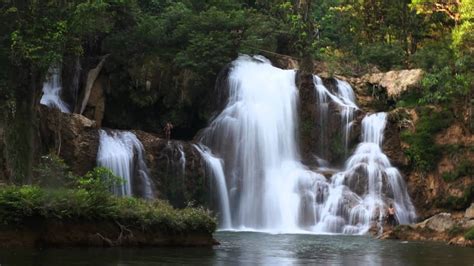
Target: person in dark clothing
167,129
391,220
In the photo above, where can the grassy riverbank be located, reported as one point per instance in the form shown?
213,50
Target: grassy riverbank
89,215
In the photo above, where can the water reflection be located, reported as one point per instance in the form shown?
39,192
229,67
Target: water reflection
257,249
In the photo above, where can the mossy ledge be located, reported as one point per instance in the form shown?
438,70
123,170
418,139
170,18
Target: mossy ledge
38,217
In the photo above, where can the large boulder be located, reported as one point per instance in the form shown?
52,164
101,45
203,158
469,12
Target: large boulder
441,222
469,214
395,82
72,136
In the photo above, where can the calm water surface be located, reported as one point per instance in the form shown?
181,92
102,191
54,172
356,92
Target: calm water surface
257,249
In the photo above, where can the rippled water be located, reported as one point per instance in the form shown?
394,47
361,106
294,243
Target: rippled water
239,248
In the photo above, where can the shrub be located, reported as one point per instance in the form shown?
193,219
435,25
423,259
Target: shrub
458,203
387,56
465,168
52,171
469,235
32,204
89,198
455,230
423,152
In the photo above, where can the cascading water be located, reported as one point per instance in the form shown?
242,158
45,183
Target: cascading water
182,159
214,165
261,177
359,195
344,98
123,154
256,137
52,91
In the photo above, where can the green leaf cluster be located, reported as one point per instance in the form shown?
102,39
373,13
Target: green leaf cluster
90,200
422,151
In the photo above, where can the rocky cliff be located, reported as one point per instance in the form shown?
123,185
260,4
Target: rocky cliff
179,174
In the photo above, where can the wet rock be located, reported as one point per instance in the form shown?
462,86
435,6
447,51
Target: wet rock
469,214
177,170
441,222
96,105
396,82
72,136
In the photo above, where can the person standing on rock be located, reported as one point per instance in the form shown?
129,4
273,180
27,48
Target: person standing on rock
391,216
167,129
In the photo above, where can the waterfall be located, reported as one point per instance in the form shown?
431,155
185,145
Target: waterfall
359,194
182,159
255,135
214,165
344,98
123,154
260,175
52,91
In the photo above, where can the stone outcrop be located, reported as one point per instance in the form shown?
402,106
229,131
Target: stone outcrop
443,227
72,136
469,214
307,116
96,104
395,82
177,169
397,120
440,222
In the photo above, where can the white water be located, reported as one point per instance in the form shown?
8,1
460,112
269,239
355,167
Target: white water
261,177
52,91
182,159
122,153
214,165
344,98
360,193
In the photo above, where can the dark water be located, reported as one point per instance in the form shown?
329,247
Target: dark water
257,249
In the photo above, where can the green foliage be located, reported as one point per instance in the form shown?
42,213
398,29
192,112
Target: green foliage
31,204
458,203
465,168
52,171
422,151
409,98
455,230
99,181
387,56
469,235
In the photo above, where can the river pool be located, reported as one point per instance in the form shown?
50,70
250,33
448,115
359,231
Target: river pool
250,248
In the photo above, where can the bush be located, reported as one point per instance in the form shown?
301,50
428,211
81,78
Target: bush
469,235
423,152
387,56
455,230
458,203
52,171
32,204
465,168
89,198
409,98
